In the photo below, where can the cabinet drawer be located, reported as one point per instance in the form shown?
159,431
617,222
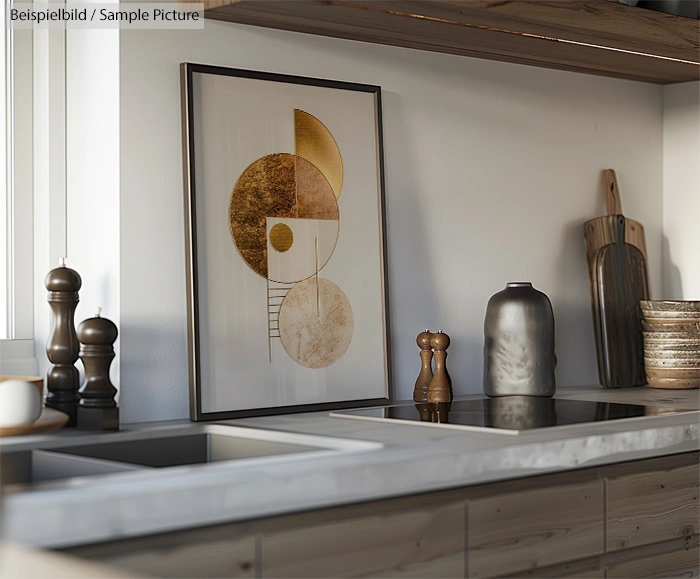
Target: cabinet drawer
529,529
419,543
684,564
222,552
653,506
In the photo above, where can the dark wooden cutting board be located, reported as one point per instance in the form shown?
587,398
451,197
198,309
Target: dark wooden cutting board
617,272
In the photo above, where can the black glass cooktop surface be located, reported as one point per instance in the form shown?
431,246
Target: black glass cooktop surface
510,414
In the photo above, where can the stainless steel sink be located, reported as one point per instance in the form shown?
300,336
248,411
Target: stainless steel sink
31,469
65,461
185,449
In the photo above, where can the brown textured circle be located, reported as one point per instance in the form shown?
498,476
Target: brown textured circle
281,237
265,189
278,185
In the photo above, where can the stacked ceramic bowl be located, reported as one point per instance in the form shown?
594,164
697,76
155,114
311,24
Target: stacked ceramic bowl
672,343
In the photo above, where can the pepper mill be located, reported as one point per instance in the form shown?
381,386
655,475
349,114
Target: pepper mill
97,410
63,379
441,411
440,388
425,411
420,392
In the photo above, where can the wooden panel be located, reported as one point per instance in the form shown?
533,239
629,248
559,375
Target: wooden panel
426,542
24,562
592,36
583,569
525,530
684,564
661,463
651,507
222,552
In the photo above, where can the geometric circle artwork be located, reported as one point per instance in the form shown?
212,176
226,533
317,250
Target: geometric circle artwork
281,237
284,221
316,323
279,185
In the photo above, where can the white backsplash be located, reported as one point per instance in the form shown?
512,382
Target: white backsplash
491,170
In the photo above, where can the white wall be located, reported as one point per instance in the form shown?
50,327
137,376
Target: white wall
491,170
49,175
76,192
92,60
681,174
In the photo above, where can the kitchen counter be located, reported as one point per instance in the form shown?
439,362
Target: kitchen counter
411,459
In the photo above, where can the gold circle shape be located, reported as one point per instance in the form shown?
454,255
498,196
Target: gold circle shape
281,237
315,143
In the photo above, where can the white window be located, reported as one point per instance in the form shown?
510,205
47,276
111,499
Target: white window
16,198
5,177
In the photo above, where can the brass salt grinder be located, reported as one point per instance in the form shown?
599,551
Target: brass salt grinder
433,392
420,392
440,388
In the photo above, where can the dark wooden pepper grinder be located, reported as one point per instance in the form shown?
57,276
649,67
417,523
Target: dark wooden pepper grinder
97,410
420,391
63,379
440,388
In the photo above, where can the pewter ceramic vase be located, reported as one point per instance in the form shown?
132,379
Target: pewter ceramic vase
519,357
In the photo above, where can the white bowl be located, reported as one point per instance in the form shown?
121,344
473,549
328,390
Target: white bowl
20,400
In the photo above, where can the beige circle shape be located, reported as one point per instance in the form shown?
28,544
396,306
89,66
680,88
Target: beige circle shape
316,323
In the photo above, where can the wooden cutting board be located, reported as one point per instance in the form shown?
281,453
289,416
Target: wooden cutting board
617,274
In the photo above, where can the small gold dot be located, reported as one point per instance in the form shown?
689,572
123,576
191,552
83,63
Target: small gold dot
281,237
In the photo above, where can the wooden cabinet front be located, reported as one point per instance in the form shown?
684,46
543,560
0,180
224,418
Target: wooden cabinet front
423,542
648,507
536,528
226,551
685,563
546,526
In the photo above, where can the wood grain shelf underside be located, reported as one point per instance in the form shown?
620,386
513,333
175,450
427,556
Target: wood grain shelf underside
585,36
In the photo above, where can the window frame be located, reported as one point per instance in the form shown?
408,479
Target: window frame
17,294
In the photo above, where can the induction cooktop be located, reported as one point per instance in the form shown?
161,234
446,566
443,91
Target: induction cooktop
508,414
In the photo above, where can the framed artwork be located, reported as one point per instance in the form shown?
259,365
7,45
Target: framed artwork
284,204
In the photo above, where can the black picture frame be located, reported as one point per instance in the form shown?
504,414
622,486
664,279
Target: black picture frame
188,70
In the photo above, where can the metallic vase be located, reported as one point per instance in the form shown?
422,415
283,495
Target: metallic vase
520,412
519,357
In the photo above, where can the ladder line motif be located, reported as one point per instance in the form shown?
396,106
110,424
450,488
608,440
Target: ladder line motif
276,292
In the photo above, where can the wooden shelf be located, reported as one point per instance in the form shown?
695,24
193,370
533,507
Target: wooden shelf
588,36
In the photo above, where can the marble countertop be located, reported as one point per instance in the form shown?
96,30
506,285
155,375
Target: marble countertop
404,459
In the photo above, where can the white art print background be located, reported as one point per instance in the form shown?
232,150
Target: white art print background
237,121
